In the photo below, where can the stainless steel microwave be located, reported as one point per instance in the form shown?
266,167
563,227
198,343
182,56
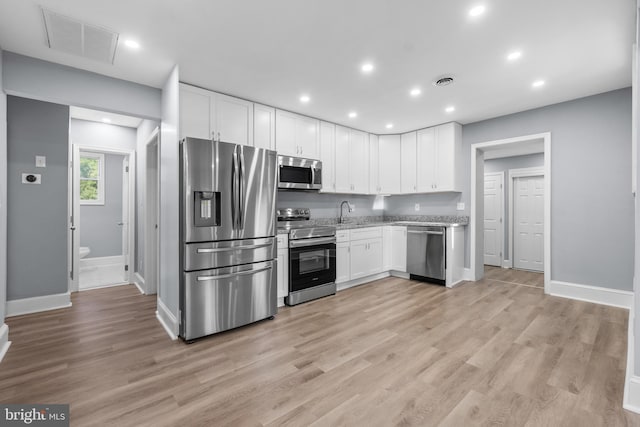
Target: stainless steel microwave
299,174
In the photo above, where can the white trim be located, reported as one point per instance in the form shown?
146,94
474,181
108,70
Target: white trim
513,174
101,261
631,397
138,280
477,268
167,320
18,307
4,340
361,281
467,275
507,263
280,302
588,293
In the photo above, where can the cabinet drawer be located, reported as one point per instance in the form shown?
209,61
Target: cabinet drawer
342,236
366,233
283,241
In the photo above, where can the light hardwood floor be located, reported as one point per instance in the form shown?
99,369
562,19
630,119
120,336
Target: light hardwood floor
392,352
518,277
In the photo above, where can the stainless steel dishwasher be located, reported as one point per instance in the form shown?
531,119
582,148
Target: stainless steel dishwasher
426,253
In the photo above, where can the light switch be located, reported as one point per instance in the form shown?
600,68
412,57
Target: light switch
460,206
417,207
41,162
31,178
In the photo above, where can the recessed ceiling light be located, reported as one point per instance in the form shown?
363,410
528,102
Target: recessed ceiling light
514,55
367,68
477,10
106,120
415,92
389,125
538,83
305,98
450,109
353,114
132,44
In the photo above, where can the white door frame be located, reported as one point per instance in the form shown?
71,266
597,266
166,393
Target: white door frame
151,251
501,227
76,148
476,224
519,173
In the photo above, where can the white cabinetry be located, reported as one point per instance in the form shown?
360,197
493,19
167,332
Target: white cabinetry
366,252
408,162
283,266
206,114
264,127
342,256
438,151
328,156
389,164
399,248
297,135
351,161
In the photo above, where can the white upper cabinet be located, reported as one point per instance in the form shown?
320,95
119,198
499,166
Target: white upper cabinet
438,153
374,164
206,114
264,127
408,162
389,164
328,156
351,161
297,135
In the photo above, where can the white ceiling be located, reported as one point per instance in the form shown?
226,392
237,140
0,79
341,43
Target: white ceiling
274,51
104,117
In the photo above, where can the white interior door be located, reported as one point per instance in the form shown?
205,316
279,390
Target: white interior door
528,218
125,219
152,220
493,218
74,219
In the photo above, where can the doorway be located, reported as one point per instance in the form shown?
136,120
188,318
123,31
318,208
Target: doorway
538,232
152,214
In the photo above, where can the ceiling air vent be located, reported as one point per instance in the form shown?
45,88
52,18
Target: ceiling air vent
79,38
443,81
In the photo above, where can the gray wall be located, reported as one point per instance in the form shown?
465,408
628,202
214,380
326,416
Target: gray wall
3,200
327,205
504,165
99,229
37,214
33,78
590,185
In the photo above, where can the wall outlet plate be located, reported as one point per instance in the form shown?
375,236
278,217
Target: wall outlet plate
460,206
417,206
41,162
353,207
31,178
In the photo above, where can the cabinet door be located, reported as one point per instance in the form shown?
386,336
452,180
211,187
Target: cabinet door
389,153
286,133
445,159
342,262
426,155
264,127
283,273
233,119
195,112
359,262
343,182
359,161
387,250
408,162
328,156
374,165
307,137
374,257
399,248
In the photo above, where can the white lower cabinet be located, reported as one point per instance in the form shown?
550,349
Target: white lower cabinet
342,262
283,266
398,248
358,253
366,257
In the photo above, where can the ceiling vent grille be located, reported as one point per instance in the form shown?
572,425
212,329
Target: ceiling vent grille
79,38
443,81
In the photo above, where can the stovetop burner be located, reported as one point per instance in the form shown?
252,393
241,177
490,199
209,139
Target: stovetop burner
296,221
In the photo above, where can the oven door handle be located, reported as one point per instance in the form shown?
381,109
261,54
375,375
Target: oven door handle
311,242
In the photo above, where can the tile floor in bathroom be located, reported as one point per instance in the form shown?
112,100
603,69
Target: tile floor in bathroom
101,275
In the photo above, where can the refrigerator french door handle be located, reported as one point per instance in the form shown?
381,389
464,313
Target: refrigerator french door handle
234,189
241,199
227,276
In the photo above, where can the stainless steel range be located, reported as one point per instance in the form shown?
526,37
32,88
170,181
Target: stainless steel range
312,256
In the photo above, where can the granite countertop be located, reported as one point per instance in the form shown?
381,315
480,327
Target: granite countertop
378,221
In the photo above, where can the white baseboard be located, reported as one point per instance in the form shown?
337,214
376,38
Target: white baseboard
467,275
631,398
4,340
357,282
167,320
507,263
100,261
594,294
38,304
401,274
138,280
280,302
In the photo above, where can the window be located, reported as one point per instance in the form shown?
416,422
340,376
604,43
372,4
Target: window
91,178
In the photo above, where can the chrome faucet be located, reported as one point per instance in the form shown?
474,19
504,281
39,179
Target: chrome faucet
341,221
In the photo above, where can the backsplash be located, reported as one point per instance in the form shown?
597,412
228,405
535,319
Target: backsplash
430,204
327,205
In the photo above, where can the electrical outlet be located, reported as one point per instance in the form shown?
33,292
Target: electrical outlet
417,207
353,207
460,206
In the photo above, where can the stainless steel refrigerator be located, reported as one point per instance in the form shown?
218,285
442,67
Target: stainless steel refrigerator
228,227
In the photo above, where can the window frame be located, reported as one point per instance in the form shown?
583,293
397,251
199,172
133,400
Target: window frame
100,180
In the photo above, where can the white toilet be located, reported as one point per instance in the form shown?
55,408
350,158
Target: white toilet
84,251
